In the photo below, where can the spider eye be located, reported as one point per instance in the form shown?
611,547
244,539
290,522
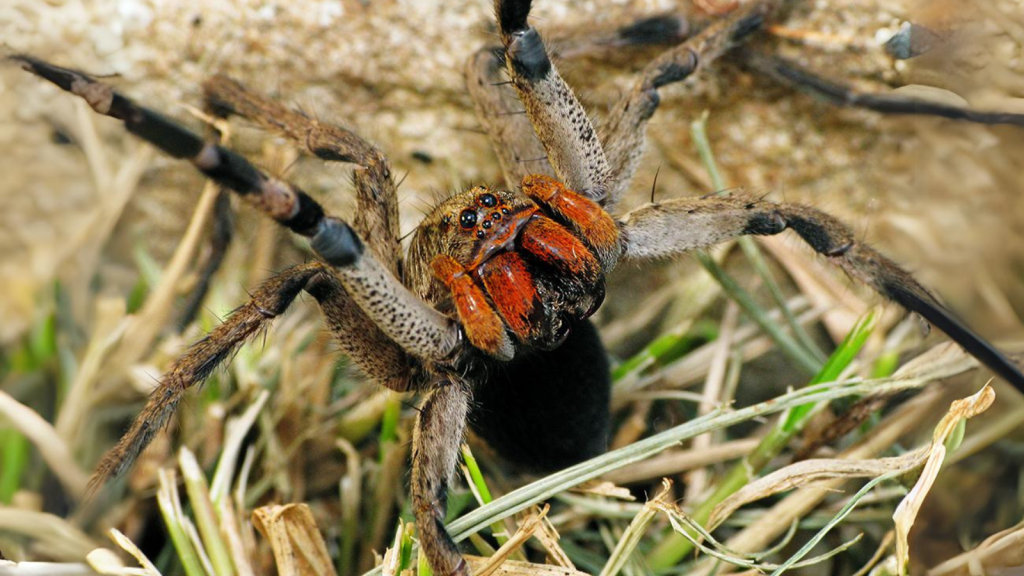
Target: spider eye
468,218
488,200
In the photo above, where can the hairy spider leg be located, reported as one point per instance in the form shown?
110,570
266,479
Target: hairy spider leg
375,218
560,122
501,114
601,168
404,331
438,434
500,111
685,224
624,132
411,323
192,368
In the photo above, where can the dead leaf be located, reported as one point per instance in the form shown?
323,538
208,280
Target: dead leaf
907,511
299,548
810,472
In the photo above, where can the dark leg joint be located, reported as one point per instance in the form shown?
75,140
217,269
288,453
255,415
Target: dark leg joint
664,29
512,15
229,169
747,26
675,72
765,224
816,235
336,243
308,215
529,57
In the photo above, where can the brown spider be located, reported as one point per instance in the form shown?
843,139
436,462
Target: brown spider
490,304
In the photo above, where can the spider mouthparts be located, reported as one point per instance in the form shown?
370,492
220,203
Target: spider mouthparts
501,235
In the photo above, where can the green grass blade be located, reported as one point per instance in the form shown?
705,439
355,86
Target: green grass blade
672,549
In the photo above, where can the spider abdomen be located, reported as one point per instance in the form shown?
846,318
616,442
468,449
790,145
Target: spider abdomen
547,409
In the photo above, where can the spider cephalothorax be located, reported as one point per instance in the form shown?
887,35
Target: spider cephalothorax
508,269
488,309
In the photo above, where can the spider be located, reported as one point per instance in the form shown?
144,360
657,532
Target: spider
490,304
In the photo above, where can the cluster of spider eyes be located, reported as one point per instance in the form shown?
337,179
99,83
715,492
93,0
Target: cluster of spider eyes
468,218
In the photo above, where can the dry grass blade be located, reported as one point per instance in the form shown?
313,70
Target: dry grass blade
128,546
60,538
298,546
526,530
675,462
997,553
104,561
883,547
520,568
635,531
812,471
109,327
548,538
778,519
906,512
604,488
8,568
49,443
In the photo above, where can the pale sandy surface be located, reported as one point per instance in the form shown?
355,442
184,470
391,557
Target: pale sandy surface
945,198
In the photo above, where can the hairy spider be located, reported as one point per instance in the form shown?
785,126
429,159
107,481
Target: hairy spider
490,303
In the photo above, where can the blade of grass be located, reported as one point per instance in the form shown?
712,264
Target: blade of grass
170,508
483,494
698,130
804,550
350,487
14,451
665,348
235,431
675,546
940,362
737,293
634,532
30,426
206,518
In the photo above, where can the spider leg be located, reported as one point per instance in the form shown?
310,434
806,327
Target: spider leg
501,113
376,355
560,122
624,132
438,434
376,214
676,226
408,321
498,108
791,74
269,301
